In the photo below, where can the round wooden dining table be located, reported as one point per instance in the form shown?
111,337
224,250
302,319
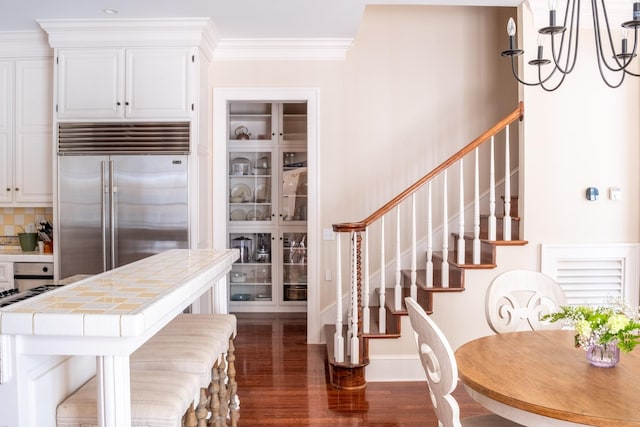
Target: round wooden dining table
539,378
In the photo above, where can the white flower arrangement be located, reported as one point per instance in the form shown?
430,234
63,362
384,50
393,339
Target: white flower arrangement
602,325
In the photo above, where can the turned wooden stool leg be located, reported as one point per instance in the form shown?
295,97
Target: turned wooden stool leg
190,419
214,397
223,393
234,401
202,411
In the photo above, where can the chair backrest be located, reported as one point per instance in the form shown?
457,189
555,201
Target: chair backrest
439,364
517,299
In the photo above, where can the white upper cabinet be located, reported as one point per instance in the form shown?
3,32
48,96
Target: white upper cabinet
25,132
159,82
90,83
6,131
34,147
105,83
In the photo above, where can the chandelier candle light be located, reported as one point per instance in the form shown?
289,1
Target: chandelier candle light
564,46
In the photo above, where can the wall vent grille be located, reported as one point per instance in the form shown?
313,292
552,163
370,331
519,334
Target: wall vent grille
593,275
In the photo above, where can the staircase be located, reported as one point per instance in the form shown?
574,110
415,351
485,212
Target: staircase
473,245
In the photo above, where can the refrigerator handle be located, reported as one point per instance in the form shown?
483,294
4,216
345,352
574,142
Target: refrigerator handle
112,215
103,221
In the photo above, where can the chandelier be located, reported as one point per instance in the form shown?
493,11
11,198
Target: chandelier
613,66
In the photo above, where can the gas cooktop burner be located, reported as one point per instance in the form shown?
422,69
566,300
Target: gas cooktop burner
12,296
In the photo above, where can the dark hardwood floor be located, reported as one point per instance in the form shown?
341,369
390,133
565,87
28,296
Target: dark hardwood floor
282,381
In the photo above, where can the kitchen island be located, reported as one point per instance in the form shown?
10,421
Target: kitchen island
106,317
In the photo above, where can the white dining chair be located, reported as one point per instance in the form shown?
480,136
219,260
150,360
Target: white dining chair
517,299
441,369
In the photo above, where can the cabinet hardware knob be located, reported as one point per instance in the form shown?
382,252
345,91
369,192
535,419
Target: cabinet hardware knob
8,189
118,103
126,103
17,189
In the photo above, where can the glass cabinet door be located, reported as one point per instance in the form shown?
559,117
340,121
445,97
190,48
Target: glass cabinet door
294,266
250,278
250,121
293,201
293,124
250,186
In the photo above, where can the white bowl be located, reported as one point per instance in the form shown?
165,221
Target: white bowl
238,277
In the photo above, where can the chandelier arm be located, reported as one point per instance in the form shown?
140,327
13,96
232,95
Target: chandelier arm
515,74
540,79
598,36
604,78
551,89
569,58
633,53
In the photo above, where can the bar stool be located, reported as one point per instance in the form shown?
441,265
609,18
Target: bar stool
158,399
196,344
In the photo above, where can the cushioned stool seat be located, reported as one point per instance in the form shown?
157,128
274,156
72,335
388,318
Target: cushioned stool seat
179,353
158,399
201,325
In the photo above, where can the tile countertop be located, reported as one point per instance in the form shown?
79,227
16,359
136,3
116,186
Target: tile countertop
15,254
125,302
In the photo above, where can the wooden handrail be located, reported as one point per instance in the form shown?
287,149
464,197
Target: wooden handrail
518,113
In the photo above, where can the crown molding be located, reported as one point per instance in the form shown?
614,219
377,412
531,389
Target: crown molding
281,49
24,44
182,32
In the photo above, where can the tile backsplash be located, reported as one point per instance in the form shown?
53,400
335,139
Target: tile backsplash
11,219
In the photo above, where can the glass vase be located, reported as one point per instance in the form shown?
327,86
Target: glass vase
603,355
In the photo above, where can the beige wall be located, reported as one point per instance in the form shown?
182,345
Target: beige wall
584,134
418,83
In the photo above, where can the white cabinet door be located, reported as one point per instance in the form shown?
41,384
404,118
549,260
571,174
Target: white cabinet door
33,139
159,83
101,83
90,83
6,131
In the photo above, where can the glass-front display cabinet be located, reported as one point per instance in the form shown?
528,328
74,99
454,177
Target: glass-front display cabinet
250,278
250,186
267,205
294,266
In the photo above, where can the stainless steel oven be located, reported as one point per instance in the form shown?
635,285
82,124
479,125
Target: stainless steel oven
28,275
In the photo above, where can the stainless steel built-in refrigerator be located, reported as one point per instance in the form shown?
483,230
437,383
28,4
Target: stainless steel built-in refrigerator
122,194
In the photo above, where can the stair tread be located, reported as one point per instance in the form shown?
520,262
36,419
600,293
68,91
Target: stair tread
421,282
452,261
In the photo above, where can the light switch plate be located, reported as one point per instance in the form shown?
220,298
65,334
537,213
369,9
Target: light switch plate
615,193
328,234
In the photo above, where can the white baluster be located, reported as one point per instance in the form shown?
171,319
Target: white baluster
491,225
382,317
365,284
429,238
413,292
506,222
476,212
445,235
338,339
397,294
461,246
355,344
